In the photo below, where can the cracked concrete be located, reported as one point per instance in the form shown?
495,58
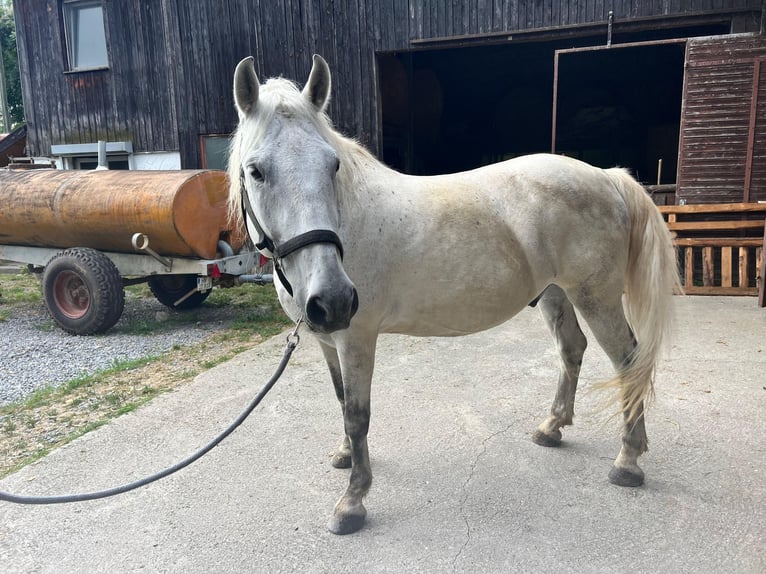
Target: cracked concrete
458,484
471,473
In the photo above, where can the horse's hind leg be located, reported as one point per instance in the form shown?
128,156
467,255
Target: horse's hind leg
560,317
342,458
610,327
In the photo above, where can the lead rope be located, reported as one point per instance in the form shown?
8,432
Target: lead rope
292,342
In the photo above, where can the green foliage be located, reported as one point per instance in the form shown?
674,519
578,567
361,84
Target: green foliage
10,65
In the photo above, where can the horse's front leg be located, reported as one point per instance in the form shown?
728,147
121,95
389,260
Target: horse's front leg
561,320
357,360
342,458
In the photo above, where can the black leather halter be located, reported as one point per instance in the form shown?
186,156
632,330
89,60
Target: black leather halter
278,252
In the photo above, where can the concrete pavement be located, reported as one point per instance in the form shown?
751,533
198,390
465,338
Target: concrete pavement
458,484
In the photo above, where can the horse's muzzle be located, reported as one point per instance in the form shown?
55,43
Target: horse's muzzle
333,311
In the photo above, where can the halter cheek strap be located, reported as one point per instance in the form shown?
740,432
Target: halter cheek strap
277,252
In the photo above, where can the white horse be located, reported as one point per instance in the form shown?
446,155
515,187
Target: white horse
537,229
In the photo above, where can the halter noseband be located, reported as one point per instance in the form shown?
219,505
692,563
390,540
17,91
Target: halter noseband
278,252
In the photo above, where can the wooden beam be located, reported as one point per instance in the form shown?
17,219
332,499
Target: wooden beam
744,257
714,225
689,269
726,267
721,291
707,266
762,284
713,208
751,129
718,242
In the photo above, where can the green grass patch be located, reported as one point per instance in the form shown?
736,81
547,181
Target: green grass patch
18,288
53,416
50,394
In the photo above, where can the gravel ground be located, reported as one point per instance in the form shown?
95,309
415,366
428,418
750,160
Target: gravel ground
34,353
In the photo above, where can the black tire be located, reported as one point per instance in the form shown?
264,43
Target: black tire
83,291
170,288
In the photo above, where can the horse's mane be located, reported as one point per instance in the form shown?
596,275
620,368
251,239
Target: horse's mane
283,97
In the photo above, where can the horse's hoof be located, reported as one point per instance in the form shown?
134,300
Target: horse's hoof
348,521
341,461
625,477
543,439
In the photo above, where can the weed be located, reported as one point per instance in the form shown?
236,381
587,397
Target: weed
112,398
127,408
9,426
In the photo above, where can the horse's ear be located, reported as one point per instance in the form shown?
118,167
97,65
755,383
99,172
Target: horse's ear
317,89
246,86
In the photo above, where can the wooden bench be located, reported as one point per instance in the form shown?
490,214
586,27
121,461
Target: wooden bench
722,247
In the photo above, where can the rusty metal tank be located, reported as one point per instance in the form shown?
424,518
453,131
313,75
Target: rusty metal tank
182,212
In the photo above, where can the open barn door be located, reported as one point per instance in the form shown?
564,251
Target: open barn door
620,105
723,122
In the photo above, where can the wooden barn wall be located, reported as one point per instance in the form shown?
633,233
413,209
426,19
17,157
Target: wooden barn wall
436,18
724,114
171,61
130,101
283,35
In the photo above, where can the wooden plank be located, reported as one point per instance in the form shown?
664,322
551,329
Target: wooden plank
689,268
761,256
737,291
714,225
714,208
751,128
707,266
726,267
744,257
718,242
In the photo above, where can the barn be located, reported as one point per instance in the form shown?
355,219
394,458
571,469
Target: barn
673,89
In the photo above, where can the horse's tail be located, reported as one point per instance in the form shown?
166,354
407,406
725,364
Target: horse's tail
650,281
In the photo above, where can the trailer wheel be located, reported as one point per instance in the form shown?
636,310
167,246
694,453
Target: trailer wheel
170,288
83,291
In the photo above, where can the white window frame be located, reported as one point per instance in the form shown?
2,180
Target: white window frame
69,156
70,11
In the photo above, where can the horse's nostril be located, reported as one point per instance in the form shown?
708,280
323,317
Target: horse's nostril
332,313
354,302
317,311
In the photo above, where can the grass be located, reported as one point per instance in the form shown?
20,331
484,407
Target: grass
17,289
54,416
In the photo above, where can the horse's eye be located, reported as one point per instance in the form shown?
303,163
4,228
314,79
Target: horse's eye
337,165
256,174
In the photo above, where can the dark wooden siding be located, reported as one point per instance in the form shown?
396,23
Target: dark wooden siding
719,119
283,35
437,18
171,61
132,100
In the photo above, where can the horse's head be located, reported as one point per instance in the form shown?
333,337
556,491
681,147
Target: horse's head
283,176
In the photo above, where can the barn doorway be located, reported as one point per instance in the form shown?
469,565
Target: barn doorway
621,105
446,109
450,110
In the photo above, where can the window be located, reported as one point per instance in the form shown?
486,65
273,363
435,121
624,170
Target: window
119,155
85,35
91,162
215,151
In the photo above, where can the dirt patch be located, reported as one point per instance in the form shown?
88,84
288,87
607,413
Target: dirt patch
49,420
243,316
